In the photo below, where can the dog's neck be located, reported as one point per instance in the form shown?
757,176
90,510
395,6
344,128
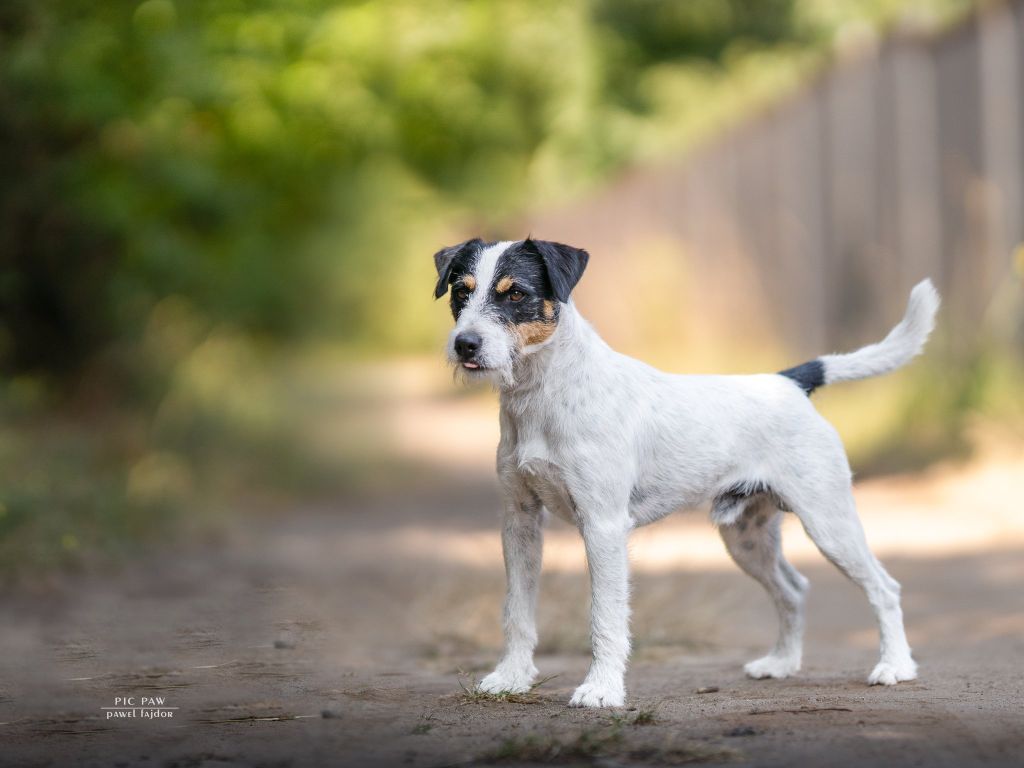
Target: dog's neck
564,360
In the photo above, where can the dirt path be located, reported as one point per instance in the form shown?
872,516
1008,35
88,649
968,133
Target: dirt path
340,637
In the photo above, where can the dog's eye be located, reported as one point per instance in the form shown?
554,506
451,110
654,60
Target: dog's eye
461,294
516,295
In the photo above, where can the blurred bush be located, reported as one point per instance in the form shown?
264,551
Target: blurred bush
187,186
278,163
263,160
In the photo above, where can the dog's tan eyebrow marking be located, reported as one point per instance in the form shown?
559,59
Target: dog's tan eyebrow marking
503,285
469,282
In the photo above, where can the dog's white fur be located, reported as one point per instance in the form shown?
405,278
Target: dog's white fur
609,443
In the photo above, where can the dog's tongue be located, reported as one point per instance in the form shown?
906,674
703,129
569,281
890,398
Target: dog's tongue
470,365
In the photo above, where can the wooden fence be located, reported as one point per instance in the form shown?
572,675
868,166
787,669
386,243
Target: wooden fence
906,162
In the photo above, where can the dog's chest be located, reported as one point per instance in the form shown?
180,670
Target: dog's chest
547,482
535,459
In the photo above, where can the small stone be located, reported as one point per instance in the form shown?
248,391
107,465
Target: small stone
330,714
708,689
284,643
741,730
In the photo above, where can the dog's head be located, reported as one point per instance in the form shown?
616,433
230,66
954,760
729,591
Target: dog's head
506,299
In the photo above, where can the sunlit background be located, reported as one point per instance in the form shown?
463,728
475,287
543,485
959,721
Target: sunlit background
217,218
235,468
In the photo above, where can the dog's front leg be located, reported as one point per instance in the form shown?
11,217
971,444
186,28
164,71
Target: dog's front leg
608,561
522,542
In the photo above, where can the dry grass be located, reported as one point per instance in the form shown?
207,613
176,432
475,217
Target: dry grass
646,716
471,694
634,716
587,745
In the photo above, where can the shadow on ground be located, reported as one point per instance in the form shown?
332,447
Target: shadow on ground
283,645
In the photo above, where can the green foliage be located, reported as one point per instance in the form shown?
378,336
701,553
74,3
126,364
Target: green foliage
185,186
248,156
644,33
67,493
275,161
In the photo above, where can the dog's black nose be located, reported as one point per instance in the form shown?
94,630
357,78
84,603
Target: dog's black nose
467,344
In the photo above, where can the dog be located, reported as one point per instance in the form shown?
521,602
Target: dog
609,443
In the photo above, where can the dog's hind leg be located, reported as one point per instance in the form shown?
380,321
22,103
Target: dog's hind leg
754,541
831,521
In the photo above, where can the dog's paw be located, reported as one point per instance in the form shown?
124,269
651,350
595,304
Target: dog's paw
598,695
889,673
771,666
508,681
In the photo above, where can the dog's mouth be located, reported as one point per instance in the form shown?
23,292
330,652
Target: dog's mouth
472,364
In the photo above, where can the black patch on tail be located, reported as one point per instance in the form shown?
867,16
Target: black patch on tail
808,376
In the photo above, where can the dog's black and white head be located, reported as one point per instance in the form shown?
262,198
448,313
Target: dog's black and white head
506,298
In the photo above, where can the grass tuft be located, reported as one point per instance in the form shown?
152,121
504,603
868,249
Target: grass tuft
534,748
471,694
647,716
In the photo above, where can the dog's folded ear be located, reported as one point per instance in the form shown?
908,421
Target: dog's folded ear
564,265
445,260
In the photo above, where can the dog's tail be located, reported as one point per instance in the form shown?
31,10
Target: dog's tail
897,349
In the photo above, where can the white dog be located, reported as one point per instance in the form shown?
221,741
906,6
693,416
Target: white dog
609,443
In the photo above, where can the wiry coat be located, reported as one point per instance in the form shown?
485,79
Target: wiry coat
609,443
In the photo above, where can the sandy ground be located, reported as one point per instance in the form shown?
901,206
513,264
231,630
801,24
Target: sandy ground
344,636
